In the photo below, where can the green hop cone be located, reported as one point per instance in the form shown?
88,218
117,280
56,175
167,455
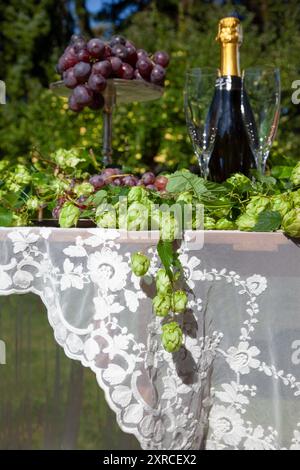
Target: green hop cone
12,186
137,217
139,264
83,189
295,199
240,183
225,224
19,220
221,212
162,305
21,175
179,301
138,194
56,186
32,203
209,223
246,222
106,216
172,337
4,164
281,203
163,283
69,215
295,176
185,197
67,158
257,204
169,227
291,223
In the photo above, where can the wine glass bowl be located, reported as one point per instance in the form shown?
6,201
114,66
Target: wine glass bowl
198,95
261,89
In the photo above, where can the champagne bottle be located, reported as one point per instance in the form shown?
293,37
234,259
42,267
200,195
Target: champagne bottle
231,151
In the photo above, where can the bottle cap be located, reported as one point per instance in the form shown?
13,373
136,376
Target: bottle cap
230,31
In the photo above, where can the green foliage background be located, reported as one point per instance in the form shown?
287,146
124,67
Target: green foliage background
33,34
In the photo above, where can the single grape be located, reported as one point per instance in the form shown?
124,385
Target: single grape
97,181
82,71
74,105
132,57
161,58
80,202
126,72
97,102
120,51
117,181
116,40
116,65
70,50
97,83
107,51
56,212
75,38
148,178
79,45
83,95
161,183
69,78
67,61
84,56
158,75
144,66
103,68
60,66
130,181
142,54
96,48
152,187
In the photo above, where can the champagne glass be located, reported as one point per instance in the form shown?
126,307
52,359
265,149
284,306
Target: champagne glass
261,89
198,95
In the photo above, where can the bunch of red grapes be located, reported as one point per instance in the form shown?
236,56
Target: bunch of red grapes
86,66
114,177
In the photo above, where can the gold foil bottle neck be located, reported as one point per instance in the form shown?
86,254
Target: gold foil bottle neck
230,31
230,38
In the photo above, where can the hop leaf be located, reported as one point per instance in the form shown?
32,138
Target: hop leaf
172,337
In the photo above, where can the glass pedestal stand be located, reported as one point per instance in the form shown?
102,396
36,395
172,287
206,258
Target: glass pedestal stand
118,91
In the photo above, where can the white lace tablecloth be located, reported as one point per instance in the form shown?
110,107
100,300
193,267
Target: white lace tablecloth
236,382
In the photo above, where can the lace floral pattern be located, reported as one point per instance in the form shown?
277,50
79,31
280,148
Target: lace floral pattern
101,315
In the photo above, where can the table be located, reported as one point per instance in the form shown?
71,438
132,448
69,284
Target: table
236,382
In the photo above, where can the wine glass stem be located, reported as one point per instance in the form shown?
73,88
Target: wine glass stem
107,135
